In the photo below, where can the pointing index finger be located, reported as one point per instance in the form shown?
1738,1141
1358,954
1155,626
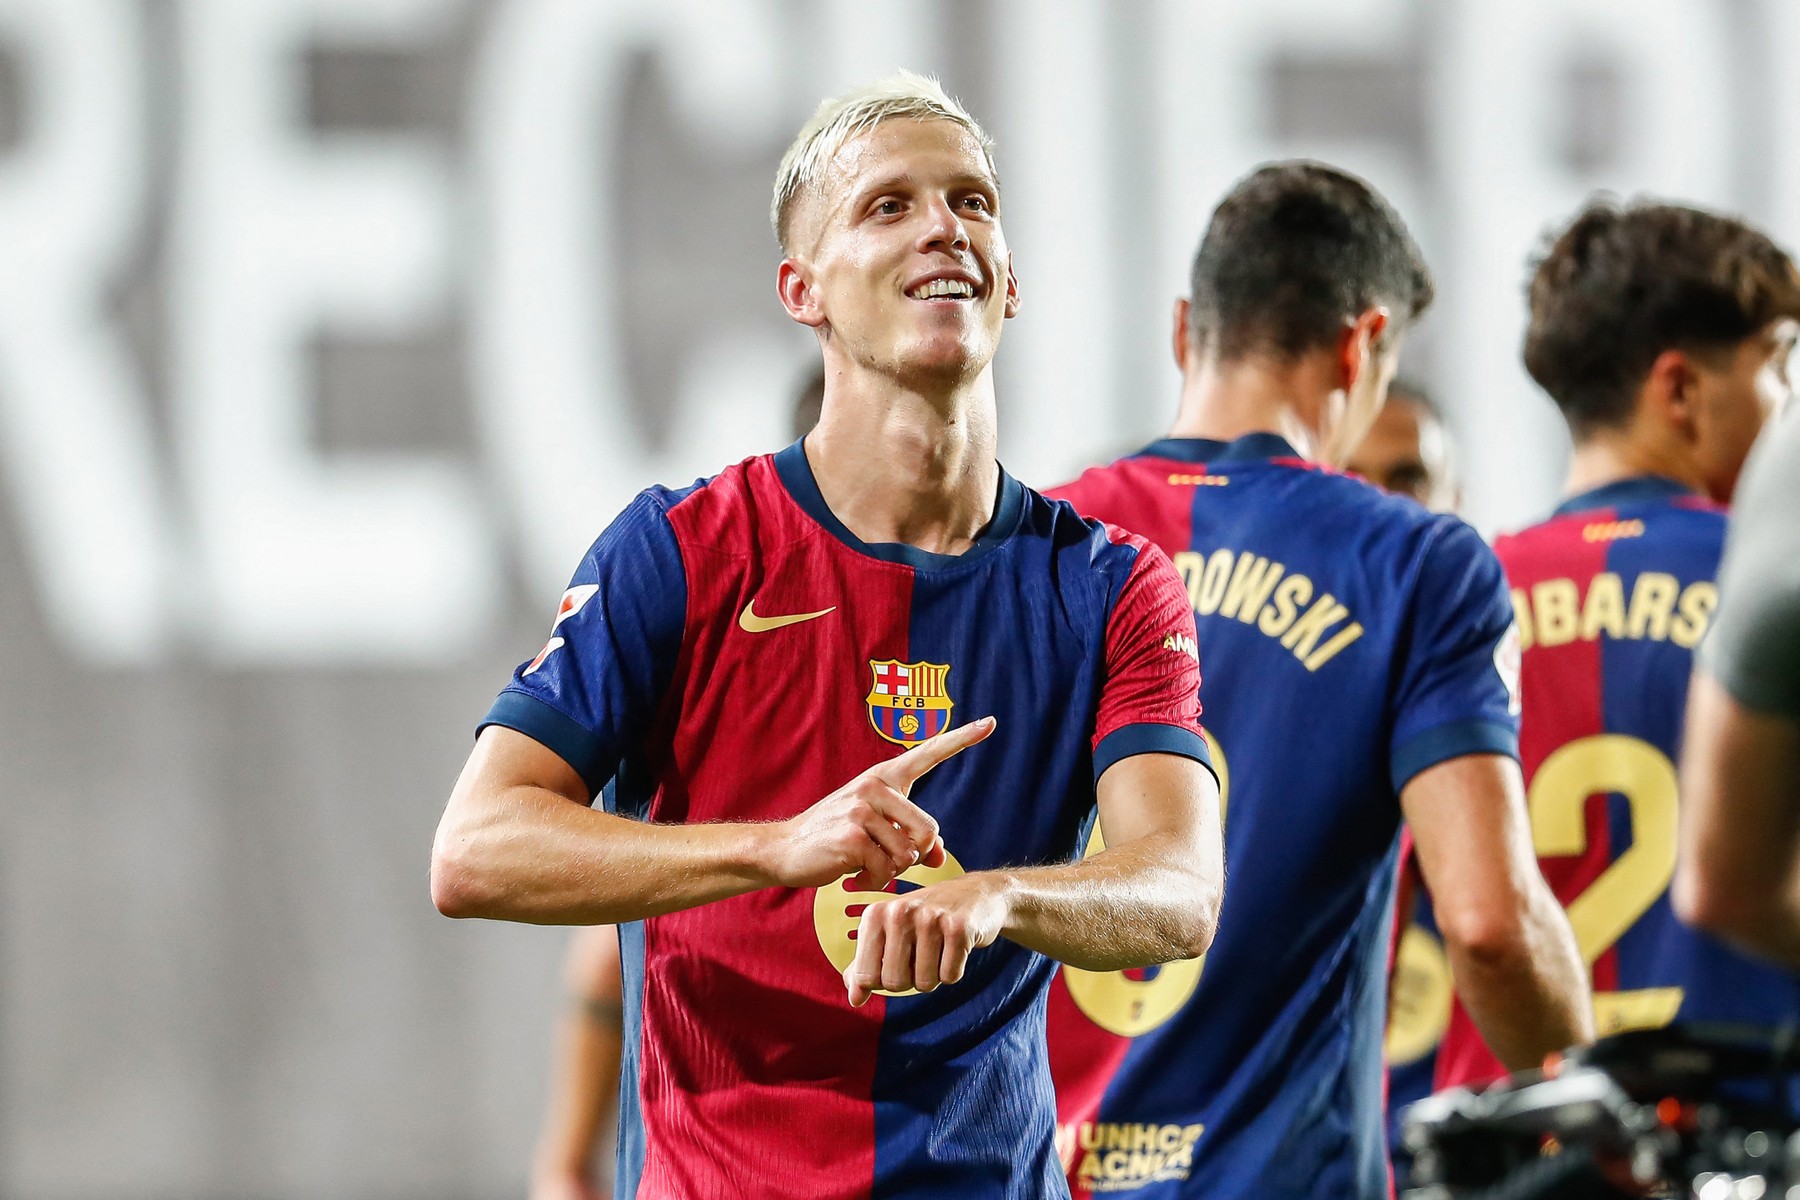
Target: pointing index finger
904,770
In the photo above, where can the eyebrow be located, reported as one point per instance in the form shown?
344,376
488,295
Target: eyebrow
887,183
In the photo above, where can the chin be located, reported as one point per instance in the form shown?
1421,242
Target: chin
943,363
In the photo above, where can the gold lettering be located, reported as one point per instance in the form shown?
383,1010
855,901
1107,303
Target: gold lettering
1604,609
1329,650
1251,583
1652,603
1279,613
1212,585
1697,603
1303,636
1556,603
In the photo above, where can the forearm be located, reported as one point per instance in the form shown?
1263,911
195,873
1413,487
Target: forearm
1738,872
1527,989
583,1090
529,854
1149,901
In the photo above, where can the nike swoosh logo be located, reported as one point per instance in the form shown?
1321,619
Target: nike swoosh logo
749,622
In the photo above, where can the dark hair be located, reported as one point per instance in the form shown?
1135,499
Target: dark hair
1295,251
1623,283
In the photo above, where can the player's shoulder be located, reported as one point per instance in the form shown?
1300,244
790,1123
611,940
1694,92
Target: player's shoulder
1677,523
731,511
1346,509
1098,545
1123,481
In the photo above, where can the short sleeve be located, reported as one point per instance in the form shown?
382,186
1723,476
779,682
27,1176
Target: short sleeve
592,693
1754,646
1150,701
1458,690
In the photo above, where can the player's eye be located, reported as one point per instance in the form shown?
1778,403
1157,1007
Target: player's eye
976,204
888,208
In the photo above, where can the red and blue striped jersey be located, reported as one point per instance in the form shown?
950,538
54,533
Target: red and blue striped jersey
1352,640
732,652
1613,592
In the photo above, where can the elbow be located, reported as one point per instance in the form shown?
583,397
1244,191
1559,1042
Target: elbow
1492,938
1716,906
1199,922
458,886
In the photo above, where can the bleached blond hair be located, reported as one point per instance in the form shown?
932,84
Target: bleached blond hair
903,95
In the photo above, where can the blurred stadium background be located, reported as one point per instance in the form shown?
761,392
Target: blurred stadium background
332,330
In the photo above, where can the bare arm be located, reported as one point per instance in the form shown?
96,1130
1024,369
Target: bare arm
1738,871
584,1075
1152,896
518,842
1513,955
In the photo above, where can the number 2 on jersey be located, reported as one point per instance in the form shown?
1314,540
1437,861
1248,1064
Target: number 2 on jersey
1601,915
1126,1006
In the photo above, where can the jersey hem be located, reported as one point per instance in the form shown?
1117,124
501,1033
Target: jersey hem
1446,742
1127,741
555,730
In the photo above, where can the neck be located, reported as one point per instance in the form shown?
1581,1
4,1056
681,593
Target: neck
896,464
1226,401
1611,455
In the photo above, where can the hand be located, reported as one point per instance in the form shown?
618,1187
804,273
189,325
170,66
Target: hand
869,825
924,938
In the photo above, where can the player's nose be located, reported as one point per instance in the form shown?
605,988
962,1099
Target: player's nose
943,228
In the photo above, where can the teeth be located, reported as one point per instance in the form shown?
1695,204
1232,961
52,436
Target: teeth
945,287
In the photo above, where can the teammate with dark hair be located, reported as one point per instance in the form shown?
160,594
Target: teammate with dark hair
1662,333
839,913
1362,649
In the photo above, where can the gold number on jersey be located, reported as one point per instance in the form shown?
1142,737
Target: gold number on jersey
838,909
1126,1006
1644,775
1419,1011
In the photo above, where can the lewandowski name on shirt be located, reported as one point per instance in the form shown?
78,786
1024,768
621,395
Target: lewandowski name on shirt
1280,603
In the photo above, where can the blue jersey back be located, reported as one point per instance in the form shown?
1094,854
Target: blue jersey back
1350,640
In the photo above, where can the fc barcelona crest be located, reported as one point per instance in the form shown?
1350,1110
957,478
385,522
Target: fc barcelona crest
909,702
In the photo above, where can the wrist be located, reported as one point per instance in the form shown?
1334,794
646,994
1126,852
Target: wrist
754,855
1001,895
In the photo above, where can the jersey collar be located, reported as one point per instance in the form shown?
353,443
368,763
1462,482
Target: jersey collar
1639,489
797,477
1248,448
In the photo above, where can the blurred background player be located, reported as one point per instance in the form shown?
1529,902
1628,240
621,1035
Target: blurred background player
1409,452
730,652
584,1069
1356,645
1739,870
1662,333
584,1073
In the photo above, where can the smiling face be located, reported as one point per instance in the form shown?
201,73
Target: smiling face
898,256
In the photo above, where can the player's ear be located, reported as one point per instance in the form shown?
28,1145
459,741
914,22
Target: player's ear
1181,337
1359,350
793,283
1012,289
1671,392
